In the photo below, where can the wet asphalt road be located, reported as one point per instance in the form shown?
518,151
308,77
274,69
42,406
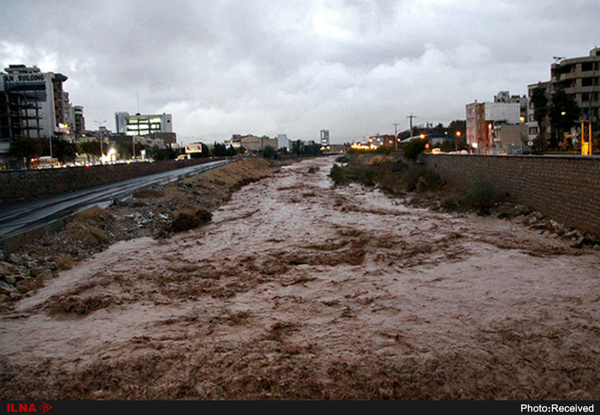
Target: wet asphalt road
20,218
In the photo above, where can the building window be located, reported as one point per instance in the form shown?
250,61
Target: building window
533,130
587,66
589,81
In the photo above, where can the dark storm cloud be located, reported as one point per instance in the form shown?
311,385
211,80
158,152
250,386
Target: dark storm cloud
294,67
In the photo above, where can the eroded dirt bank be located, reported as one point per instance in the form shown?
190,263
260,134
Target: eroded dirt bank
298,290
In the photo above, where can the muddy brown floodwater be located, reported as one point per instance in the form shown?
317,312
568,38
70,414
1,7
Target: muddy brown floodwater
299,290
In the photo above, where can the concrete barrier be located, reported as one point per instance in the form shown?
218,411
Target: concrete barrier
22,185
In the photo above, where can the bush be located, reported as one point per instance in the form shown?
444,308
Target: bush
187,219
421,179
203,215
482,196
338,175
429,180
391,183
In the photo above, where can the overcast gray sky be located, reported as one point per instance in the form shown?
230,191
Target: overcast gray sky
293,67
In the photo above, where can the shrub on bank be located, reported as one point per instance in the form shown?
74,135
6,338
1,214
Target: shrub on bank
187,219
421,179
482,196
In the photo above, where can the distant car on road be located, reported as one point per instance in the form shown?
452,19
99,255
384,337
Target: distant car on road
436,151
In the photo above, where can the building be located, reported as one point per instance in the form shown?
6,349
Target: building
379,140
254,143
251,142
533,128
283,141
143,124
484,120
325,144
580,78
505,97
79,121
32,104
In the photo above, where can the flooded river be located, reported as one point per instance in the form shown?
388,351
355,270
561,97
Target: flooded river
301,290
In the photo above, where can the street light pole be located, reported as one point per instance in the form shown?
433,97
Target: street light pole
101,140
410,117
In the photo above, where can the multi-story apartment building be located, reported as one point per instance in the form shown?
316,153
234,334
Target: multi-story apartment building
578,77
533,128
484,125
32,104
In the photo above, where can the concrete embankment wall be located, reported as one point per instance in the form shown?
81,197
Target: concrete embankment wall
23,185
566,189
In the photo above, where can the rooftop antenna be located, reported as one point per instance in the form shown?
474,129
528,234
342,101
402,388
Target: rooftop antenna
138,102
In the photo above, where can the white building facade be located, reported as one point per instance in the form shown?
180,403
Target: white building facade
143,124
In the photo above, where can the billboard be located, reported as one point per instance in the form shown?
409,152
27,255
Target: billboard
193,148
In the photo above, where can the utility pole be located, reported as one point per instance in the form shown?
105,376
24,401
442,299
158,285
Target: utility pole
410,117
396,136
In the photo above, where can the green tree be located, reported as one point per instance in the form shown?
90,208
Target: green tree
564,113
62,149
221,150
269,152
540,112
458,126
413,148
26,148
90,148
163,153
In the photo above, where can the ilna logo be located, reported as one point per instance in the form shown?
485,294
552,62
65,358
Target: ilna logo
27,407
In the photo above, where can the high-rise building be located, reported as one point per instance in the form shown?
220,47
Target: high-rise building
32,104
325,145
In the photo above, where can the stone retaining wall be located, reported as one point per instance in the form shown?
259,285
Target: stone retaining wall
566,189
